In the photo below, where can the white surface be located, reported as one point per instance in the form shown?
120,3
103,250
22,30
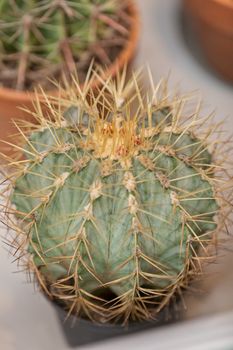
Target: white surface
28,322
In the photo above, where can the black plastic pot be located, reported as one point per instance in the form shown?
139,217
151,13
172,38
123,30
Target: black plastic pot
79,331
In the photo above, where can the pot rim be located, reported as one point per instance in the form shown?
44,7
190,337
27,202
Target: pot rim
120,61
166,316
225,3
80,331
220,9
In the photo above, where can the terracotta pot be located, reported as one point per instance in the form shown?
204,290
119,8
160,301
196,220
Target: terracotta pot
212,22
11,100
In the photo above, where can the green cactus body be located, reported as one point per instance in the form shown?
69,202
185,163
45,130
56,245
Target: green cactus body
115,206
117,199
40,39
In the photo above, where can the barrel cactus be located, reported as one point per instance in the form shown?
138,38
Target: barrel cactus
41,39
114,206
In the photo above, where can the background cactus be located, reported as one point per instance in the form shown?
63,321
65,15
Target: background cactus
114,206
40,39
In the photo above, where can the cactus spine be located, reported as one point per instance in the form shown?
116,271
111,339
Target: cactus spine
41,39
114,207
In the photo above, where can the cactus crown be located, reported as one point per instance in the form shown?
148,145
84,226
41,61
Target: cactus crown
41,39
117,199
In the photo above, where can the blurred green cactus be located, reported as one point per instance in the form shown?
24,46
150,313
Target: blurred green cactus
114,210
41,39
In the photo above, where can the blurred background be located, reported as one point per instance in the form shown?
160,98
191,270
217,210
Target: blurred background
28,322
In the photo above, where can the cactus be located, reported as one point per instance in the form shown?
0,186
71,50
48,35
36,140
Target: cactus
41,39
114,207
